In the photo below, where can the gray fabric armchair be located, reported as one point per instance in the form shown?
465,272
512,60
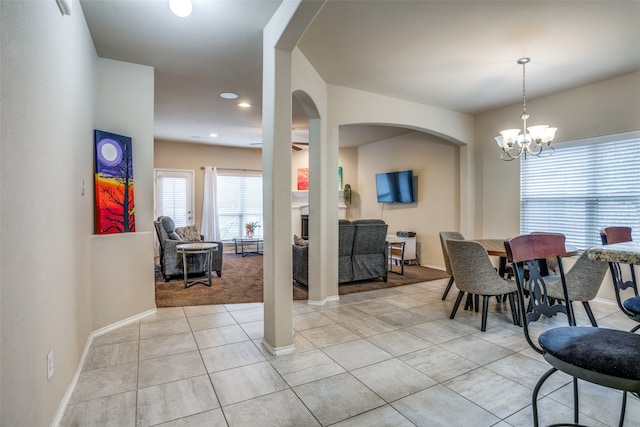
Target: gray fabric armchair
171,262
362,252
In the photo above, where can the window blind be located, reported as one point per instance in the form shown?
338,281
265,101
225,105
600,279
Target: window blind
173,201
583,187
239,202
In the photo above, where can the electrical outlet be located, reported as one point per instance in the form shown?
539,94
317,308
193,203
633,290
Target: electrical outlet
50,365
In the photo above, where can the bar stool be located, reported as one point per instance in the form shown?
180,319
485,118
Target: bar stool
629,306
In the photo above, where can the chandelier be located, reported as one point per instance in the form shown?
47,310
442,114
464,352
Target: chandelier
535,142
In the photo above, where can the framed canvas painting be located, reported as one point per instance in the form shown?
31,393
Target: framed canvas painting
114,205
303,178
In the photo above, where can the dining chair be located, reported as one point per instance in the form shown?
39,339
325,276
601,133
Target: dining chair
583,283
475,274
444,236
596,355
629,306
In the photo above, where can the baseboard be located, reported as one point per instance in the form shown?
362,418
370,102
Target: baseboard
324,301
57,419
278,351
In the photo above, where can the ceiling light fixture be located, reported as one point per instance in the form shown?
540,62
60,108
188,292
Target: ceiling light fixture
244,105
213,135
181,8
536,142
228,95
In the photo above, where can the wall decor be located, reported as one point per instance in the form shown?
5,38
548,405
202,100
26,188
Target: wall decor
303,178
114,205
339,177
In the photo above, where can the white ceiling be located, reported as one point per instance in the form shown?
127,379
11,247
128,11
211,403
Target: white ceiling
457,55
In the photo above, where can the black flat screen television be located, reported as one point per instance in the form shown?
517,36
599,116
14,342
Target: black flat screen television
395,187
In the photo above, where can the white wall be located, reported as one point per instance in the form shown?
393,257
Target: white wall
47,92
435,162
605,108
122,276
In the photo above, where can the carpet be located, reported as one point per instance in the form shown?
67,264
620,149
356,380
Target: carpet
241,282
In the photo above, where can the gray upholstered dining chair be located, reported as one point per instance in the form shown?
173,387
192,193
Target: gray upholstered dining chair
583,283
444,236
475,274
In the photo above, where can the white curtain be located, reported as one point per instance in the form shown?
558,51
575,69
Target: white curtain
210,221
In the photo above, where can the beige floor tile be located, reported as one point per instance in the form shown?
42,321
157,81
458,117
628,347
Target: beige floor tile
440,331
231,356
384,416
220,336
355,398
104,356
398,342
118,410
282,409
478,351
301,368
254,314
246,382
310,320
493,392
438,363
368,326
203,310
550,412
376,307
210,321
402,318
439,406
123,334
214,418
164,313
167,345
162,328
170,368
328,335
104,382
344,314
174,400
254,330
393,379
356,354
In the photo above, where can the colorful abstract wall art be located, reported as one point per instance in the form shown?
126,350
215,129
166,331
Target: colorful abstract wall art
115,211
303,178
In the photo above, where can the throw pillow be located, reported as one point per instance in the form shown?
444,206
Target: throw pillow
174,236
298,241
189,233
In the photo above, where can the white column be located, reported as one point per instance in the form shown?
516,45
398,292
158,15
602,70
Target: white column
280,36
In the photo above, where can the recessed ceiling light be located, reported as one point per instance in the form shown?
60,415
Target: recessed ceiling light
181,8
244,105
228,95
213,135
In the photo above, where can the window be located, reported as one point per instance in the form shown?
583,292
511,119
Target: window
174,195
583,187
239,202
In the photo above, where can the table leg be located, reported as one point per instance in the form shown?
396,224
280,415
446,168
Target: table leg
184,268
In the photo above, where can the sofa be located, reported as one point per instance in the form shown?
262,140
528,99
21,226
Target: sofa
362,252
171,262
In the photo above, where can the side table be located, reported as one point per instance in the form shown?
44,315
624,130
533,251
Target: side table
396,255
193,249
249,242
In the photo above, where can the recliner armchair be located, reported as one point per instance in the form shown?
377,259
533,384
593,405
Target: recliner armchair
171,262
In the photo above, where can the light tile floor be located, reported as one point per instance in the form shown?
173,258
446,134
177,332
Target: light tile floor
390,357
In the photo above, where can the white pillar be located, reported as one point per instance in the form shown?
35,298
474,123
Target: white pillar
280,36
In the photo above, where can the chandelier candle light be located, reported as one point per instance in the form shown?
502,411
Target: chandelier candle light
536,142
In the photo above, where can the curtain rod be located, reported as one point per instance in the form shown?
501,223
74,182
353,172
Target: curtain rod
233,169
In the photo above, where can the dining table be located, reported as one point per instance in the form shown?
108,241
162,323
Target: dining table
495,247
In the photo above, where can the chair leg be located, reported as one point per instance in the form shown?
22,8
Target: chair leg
592,318
477,302
456,305
514,312
485,309
446,291
576,403
536,390
623,409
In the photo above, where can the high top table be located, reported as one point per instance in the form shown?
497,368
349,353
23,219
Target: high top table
625,253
